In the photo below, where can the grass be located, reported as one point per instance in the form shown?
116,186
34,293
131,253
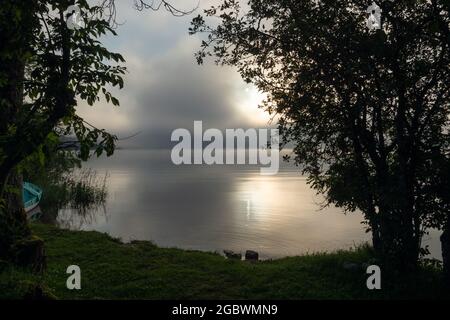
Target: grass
111,269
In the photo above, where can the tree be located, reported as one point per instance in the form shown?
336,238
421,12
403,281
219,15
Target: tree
46,68
367,110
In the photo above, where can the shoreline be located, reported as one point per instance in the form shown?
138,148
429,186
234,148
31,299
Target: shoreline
111,269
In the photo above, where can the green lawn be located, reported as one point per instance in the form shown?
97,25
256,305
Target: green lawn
141,270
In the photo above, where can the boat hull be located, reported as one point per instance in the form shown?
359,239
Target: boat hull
32,195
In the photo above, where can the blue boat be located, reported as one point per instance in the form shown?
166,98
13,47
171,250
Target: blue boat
32,195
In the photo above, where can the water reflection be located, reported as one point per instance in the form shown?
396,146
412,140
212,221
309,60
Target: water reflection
74,219
214,208
217,208
74,199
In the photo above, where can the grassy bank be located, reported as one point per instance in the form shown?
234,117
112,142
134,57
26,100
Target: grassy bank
113,270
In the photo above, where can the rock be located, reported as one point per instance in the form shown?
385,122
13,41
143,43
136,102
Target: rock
232,255
251,255
351,266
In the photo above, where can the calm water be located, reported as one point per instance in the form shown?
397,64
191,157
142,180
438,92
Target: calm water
216,208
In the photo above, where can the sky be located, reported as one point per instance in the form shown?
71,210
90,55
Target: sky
165,88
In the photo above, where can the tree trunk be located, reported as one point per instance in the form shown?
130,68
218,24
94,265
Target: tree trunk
376,239
17,22
398,246
445,246
16,242
13,224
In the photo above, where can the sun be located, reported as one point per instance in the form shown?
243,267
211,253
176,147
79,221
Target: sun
247,104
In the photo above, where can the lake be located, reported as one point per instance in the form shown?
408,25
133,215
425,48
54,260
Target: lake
213,208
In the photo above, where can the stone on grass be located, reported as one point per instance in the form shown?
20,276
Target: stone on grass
251,255
232,255
351,266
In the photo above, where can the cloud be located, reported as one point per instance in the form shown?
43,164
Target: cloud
165,89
